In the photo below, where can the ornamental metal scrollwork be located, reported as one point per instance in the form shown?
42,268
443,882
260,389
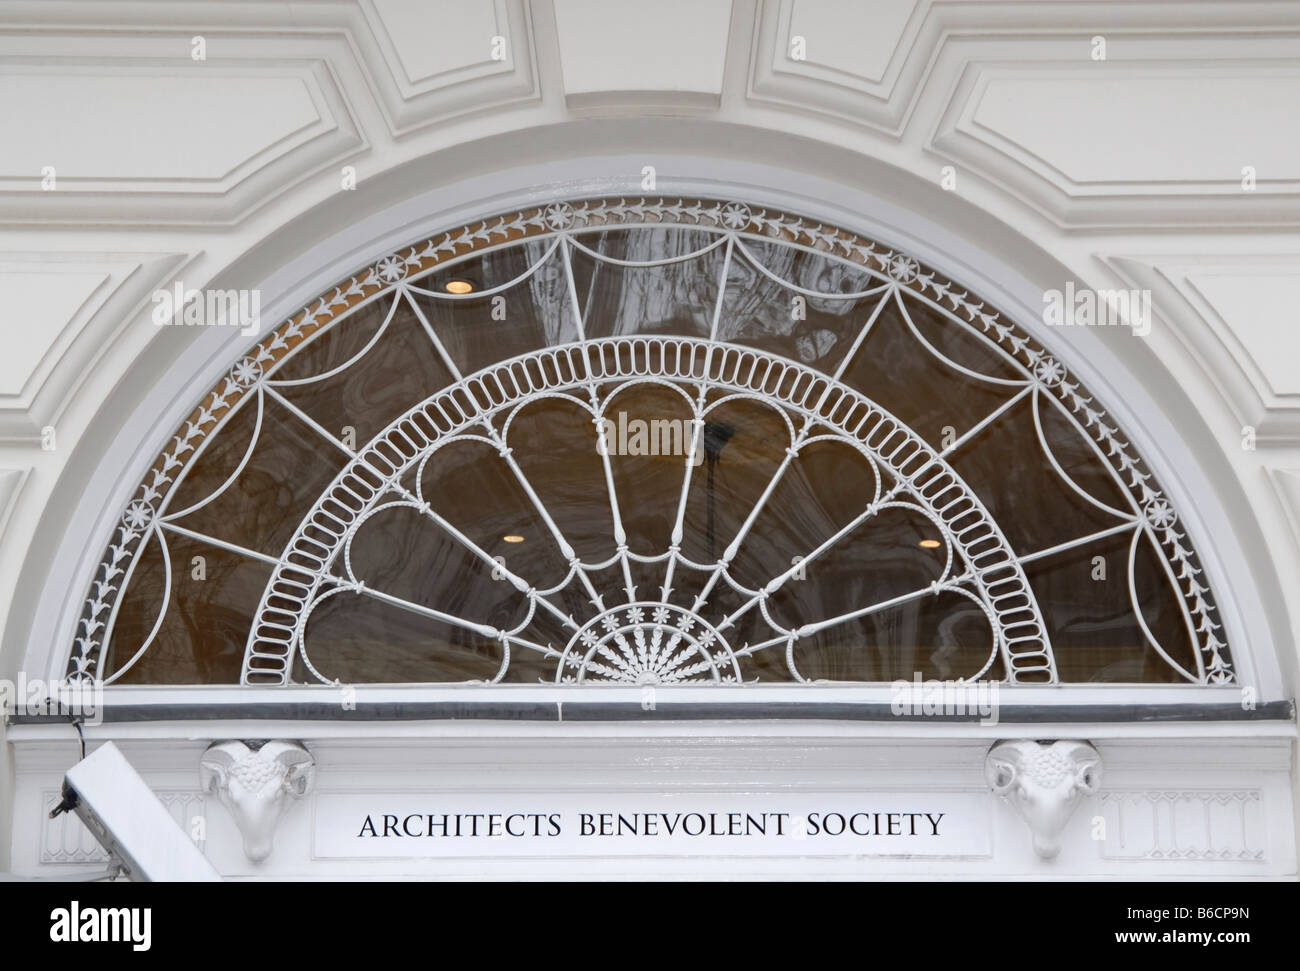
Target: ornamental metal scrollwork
734,350
923,482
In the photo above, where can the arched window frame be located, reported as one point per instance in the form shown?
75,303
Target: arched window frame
814,233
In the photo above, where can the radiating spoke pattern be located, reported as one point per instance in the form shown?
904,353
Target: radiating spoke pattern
648,442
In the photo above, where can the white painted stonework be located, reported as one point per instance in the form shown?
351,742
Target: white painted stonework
1168,808
983,137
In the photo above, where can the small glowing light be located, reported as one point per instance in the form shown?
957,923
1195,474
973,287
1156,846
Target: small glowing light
929,544
458,286
512,538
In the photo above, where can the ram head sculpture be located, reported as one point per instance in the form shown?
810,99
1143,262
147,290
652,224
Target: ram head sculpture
1044,781
257,782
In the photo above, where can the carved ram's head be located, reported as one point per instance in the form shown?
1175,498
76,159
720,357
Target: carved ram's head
256,782
1044,781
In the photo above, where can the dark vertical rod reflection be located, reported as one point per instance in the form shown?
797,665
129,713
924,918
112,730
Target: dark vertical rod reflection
716,436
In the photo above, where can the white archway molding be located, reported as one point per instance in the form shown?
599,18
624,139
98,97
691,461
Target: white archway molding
77,523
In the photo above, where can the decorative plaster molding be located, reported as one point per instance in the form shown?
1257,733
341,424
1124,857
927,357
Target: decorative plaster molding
666,54
342,53
1218,322
212,166
1044,782
1122,154
11,486
874,87
183,152
938,62
66,840
1286,482
1193,779
44,300
419,85
916,56
61,352
256,782
1210,825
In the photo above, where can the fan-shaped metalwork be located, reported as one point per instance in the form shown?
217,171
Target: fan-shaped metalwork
840,466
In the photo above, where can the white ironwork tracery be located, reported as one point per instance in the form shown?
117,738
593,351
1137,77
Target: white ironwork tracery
920,476
637,639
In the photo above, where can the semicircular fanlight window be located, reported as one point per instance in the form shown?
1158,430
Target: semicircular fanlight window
652,443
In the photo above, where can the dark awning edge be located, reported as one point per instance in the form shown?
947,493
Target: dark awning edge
582,711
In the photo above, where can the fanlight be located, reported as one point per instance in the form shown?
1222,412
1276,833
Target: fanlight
650,442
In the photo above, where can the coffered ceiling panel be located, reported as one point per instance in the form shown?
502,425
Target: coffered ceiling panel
1263,313
42,303
440,58
1095,144
838,59
1184,128
855,41
128,135
62,311
97,126
670,52
1236,315
439,38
